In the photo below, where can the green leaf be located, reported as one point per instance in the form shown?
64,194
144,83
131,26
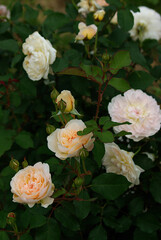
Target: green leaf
82,208
3,217
140,80
55,20
155,188
4,27
104,119
75,112
110,185
120,59
24,140
105,137
110,124
122,133
98,152
86,131
15,99
92,71
115,3
136,55
6,140
125,19
16,11
139,235
66,219
37,221
30,14
119,84
143,161
9,45
136,206
50,231
16,59
147,222
4,236
28,88
98,233
26,236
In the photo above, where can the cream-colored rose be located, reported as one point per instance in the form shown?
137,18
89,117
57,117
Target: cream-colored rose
120,162
86,32
66,143
99,15
86,6
4,12
67,97
33,185
114,19
40,54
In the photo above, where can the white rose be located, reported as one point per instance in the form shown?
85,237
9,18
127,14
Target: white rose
40,54
66,143
120,162
33,185
147,24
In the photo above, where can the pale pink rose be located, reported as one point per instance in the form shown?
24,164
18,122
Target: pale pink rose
120,162
66,143
102,3
86,32
138,108
33,185
4,11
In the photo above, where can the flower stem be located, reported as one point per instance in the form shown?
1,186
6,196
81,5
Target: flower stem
98,102
74,4
95,45
87,49
84,166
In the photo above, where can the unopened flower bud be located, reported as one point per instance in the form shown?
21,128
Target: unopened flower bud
105,57
68,99
50,128
99,15
62,105
78,181
54,94
24,163
14,164
83,153
11,218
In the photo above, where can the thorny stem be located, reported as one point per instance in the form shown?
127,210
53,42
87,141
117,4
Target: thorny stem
100,94
99,101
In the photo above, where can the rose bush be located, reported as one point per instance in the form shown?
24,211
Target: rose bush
80,121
